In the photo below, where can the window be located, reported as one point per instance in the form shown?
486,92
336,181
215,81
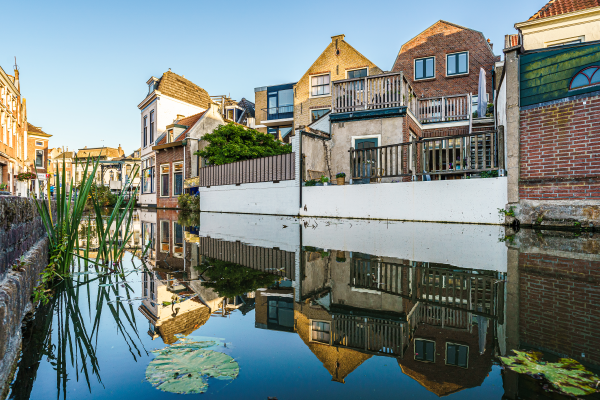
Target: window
457,354
177,179
177,240
316,114
425,68
424,350
148,180
39,144
319,85
285,100
279,132
457,63
145,131
357,73
170,136
164,236
586,77
320,331
152,126
164,180
39,158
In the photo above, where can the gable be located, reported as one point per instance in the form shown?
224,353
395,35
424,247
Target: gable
177,87
546,75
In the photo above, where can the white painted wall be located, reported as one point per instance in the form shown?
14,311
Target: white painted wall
462,245
461,200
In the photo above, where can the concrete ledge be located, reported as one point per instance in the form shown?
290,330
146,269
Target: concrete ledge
573,214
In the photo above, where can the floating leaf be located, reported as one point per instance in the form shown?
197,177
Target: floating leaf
184,366
566,376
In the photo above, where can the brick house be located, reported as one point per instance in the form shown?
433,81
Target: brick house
284,108
37,154
552,120
13,133
169,98
175,159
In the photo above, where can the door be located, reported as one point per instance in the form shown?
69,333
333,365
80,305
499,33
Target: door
366,160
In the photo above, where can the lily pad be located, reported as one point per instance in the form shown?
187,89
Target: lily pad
185,366
566,376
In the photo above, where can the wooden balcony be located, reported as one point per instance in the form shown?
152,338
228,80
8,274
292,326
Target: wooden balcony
445,109
373,92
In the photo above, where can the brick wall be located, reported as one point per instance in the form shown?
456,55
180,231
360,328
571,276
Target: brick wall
31,151
438,40
560,151
260,102
170,156
457,130
336,59
559,305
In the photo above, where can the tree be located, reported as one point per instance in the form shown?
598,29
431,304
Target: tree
231,142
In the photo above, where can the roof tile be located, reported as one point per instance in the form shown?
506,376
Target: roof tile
179,88
558,7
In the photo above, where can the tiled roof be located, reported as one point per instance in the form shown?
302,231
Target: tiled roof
558,7
67,154
95,152
36,129
248,106
179,88
511,41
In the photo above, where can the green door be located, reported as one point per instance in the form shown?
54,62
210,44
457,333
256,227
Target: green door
366,160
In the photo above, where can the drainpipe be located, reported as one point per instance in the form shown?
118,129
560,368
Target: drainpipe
300,168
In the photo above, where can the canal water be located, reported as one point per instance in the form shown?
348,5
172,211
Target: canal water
256,307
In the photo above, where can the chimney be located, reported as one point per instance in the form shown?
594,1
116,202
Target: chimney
16,68
120,150
85,147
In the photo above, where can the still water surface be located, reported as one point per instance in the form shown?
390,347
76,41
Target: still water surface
251,307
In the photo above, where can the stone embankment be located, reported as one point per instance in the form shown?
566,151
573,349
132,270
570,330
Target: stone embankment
23,255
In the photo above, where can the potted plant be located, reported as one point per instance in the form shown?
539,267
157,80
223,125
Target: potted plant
311,182
340,177
323,181
340,256
25,176
4,188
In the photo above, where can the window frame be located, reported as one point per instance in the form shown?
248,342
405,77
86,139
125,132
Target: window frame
152,122
310,85
163,223
456,54
310,327
37,152
145,129
168,173
565,41
178,254
415,349
357,69
39,144
177,163
446,354
318,109
582,72
424,68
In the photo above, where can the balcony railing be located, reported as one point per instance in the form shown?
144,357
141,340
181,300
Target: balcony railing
461,154
373,92
445,109
283,112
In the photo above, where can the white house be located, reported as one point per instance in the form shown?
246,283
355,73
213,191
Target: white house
170,97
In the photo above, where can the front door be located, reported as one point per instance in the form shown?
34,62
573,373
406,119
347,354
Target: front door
367,159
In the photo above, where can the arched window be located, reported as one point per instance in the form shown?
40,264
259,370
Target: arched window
586,77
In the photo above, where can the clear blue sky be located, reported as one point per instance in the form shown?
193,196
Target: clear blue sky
84,64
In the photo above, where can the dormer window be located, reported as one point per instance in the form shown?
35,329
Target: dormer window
170,136
151,87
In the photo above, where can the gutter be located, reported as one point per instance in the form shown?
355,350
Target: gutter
168,145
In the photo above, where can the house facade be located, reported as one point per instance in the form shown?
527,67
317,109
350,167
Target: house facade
552,119
13,133
38,156
283,108
170,97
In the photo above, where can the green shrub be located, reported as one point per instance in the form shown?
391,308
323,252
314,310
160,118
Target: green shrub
312,182
189,202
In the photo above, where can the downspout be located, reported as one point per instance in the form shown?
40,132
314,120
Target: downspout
301,167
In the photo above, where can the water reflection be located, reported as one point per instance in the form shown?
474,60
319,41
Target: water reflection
440,303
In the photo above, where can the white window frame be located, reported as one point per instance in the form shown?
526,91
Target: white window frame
318,109
173,176
415,350
310,95
310,322
43,160
38,144
462,73
415,68
161,180
446,354
378,137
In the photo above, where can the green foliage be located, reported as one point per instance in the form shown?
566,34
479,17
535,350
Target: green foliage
25,176
231,142
230,280
102,195
187,218
311,182
510,212
340,175
3,186
489,174
189,202
566,376
324,179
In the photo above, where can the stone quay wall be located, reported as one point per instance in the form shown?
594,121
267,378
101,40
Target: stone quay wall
22,234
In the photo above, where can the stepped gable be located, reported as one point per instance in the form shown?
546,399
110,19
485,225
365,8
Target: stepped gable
558,7
179,88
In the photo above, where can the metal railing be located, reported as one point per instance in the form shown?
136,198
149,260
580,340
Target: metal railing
373,92
445,109
460,154
277,112
266,169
